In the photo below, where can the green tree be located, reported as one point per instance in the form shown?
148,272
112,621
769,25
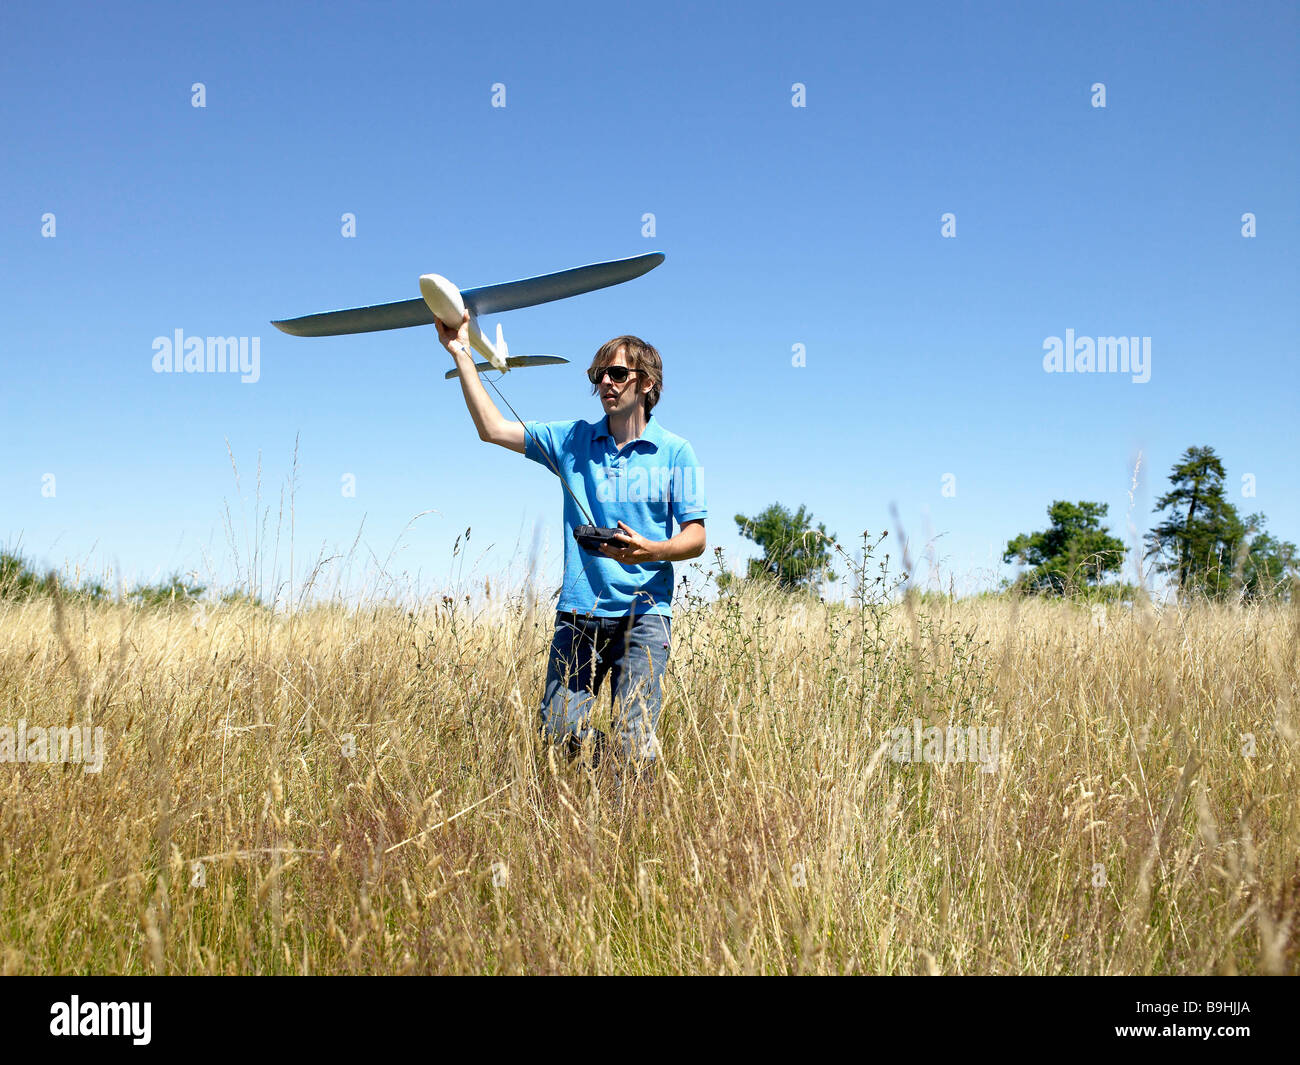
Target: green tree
1197,542
174,591
241,597
18,579
795,554
1075,551
1268,565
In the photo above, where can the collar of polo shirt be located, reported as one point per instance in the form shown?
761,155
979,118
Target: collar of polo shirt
651,434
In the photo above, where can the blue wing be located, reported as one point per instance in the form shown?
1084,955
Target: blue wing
488,299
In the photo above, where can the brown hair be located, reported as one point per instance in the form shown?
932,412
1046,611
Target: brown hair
641,357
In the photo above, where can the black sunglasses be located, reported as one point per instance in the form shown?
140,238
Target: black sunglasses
617,374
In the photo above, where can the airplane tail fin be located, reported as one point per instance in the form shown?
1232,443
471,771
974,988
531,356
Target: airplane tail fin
501,345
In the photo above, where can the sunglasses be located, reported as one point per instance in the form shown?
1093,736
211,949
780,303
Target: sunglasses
617,374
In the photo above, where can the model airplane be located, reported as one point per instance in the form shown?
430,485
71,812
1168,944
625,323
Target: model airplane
440,299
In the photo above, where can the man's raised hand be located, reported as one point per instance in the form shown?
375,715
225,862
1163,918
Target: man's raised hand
447,335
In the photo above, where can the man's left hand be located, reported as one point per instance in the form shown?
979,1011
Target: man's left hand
631,548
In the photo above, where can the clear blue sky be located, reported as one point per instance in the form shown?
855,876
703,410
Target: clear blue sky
817,226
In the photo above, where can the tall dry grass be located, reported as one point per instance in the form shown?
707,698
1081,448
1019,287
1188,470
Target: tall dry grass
1127,828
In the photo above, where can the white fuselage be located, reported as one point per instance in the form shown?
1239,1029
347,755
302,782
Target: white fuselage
444,300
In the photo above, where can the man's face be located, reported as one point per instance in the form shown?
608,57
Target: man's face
625,398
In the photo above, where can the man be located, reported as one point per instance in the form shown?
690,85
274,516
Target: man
614,614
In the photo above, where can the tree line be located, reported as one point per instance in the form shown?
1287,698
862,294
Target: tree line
1201,543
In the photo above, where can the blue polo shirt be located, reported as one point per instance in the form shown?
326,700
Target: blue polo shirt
652,482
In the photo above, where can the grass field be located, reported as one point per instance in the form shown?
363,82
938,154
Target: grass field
361,791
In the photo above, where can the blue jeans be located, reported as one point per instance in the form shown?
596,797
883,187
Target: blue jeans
634,652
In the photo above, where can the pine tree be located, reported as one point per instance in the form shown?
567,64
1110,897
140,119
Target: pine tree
1199,538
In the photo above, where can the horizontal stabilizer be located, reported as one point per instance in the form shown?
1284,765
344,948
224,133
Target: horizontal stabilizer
512,362
487,299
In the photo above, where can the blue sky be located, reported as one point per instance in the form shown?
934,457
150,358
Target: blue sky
817,226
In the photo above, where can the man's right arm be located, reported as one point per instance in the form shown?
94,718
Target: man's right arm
492,426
